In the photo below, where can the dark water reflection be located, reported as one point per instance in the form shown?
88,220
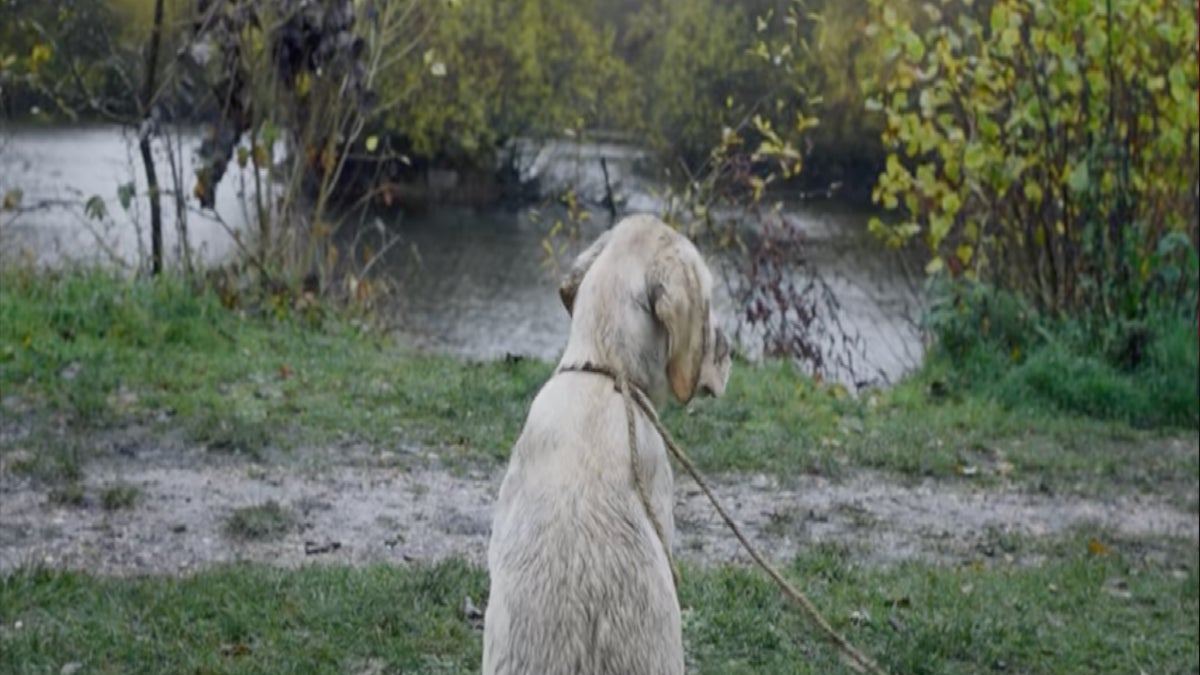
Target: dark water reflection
482,286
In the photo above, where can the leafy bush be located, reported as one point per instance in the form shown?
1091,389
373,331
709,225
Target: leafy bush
993,342
1051,150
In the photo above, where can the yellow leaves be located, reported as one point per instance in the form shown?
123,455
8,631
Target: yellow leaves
1178,80
261,156
951,203
1033,192
302,83
939,227
876,227
1097,548
12,199
40,54
1009,39
200,189
889,16
893,236
964,252
757,185
953,169
926,178
974,157
804,122
371,143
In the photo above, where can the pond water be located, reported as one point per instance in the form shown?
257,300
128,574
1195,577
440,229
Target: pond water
468,281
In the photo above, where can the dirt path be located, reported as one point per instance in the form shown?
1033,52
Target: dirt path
354,514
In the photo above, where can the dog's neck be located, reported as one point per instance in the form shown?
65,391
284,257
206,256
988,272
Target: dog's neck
644,368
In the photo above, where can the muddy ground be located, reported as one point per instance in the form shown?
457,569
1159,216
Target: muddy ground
353,504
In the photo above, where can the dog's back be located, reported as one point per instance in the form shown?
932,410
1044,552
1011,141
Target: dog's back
580,582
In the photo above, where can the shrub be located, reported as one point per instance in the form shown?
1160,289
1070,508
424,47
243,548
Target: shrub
1051,150
993,342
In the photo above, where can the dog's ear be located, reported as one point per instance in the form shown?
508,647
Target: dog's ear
569,285
680,304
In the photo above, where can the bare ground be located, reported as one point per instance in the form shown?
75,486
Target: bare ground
359,505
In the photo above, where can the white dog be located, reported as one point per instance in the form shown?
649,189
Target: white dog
581,583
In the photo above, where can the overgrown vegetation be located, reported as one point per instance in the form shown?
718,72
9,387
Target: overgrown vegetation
996,344
1084,612
1046,157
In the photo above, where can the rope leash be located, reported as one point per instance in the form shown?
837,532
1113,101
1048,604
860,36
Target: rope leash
631,395
625,387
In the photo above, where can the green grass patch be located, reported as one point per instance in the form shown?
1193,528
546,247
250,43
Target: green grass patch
1078,613
1143,373
119,496
68,494
772,420
110,352
105,352
50,459
268,520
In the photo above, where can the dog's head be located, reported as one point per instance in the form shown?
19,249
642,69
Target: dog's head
670,286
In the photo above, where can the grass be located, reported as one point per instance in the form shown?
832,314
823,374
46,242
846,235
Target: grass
1080,613
119,496
69,494
107,353
58,459
111,353
85,354
268,520
992,344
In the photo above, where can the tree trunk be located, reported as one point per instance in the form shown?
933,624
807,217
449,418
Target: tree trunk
144,134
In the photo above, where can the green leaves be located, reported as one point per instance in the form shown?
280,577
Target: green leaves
1078,181
1179,85
94,208
125,194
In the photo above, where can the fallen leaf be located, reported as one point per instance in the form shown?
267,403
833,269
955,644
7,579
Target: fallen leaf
1095,547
